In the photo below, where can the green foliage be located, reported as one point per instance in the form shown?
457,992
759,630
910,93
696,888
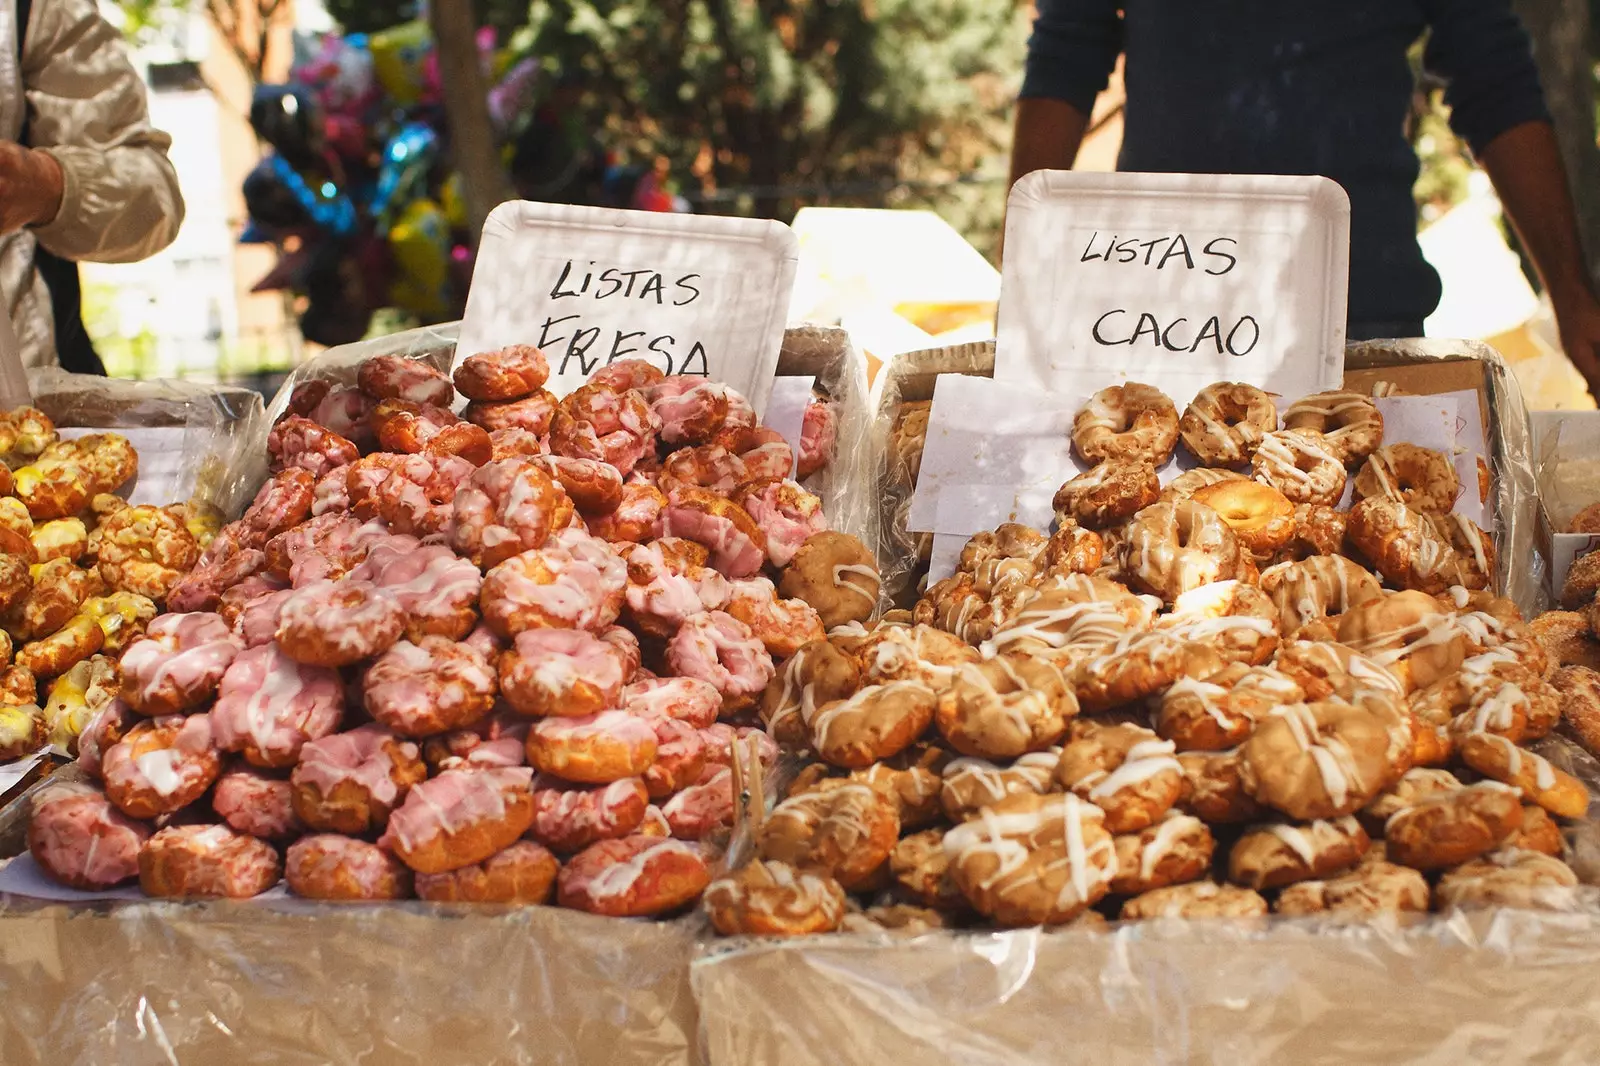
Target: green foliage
848,102
369,16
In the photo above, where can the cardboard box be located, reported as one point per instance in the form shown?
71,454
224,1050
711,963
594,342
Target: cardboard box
1567,451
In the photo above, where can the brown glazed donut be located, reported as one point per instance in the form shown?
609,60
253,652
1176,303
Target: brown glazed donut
1128,421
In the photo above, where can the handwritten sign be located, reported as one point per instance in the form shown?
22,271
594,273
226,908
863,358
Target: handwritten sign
589,286
1177,280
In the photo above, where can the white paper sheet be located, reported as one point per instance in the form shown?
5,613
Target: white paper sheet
991,450
1176,280
786,409
15,771
22,876
693,294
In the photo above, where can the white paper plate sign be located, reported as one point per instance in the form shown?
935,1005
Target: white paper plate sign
589,286
1177,280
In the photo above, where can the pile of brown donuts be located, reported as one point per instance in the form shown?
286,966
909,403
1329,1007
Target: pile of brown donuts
501,656
81,574
1219,698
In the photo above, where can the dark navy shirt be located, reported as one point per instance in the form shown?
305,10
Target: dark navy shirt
1297,87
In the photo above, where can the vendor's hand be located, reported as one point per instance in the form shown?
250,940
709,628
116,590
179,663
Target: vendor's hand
31,187
1578,321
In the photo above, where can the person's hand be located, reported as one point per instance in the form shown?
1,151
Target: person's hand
31,187
1578,321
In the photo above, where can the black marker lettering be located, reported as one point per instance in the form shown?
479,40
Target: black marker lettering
609,277
653,286
547,341
694,292
1255,335
1088,248
1179,247
665,354
1150,248
1147,325
1126,252
582,341
688,367
1166,336
1212,329
556,293
1095,332
617,350
1210,249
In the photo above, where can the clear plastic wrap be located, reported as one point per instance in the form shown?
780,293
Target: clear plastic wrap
1516,497
910,378
288,981
1503,986
211,439
1512,459
1508,987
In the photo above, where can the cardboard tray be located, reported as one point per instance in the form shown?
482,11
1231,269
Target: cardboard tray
1420,367
289,980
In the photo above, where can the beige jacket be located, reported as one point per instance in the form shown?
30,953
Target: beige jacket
88,110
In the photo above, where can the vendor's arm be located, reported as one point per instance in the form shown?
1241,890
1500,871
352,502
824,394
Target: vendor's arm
1073,49
1525,165
1498,107
119,198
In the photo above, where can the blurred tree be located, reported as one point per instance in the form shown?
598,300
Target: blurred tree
472,139
769,104
243,25
369,16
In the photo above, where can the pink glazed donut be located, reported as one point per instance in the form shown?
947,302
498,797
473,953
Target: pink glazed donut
691,410
437,591
460,818
596,749
786,513
350,782
718,648
566,672
573,582
680,757
568,818
433,686
505,508
782,626
333,867
704,807
270,707
819,431
178,664
206,861
666,586
79,839
336,623
256,804
737,546
162,765
687,699
256,624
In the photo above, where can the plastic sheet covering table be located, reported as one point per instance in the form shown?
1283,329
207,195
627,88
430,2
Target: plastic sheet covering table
139,984
1504,987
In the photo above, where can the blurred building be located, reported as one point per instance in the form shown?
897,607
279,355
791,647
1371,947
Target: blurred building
189,312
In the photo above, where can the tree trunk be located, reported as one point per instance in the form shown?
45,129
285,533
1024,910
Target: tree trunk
472,144
1560,32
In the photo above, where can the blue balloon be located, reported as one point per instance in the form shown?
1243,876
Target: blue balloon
407,159
329,207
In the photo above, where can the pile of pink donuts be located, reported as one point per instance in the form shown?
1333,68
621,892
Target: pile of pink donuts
502,656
